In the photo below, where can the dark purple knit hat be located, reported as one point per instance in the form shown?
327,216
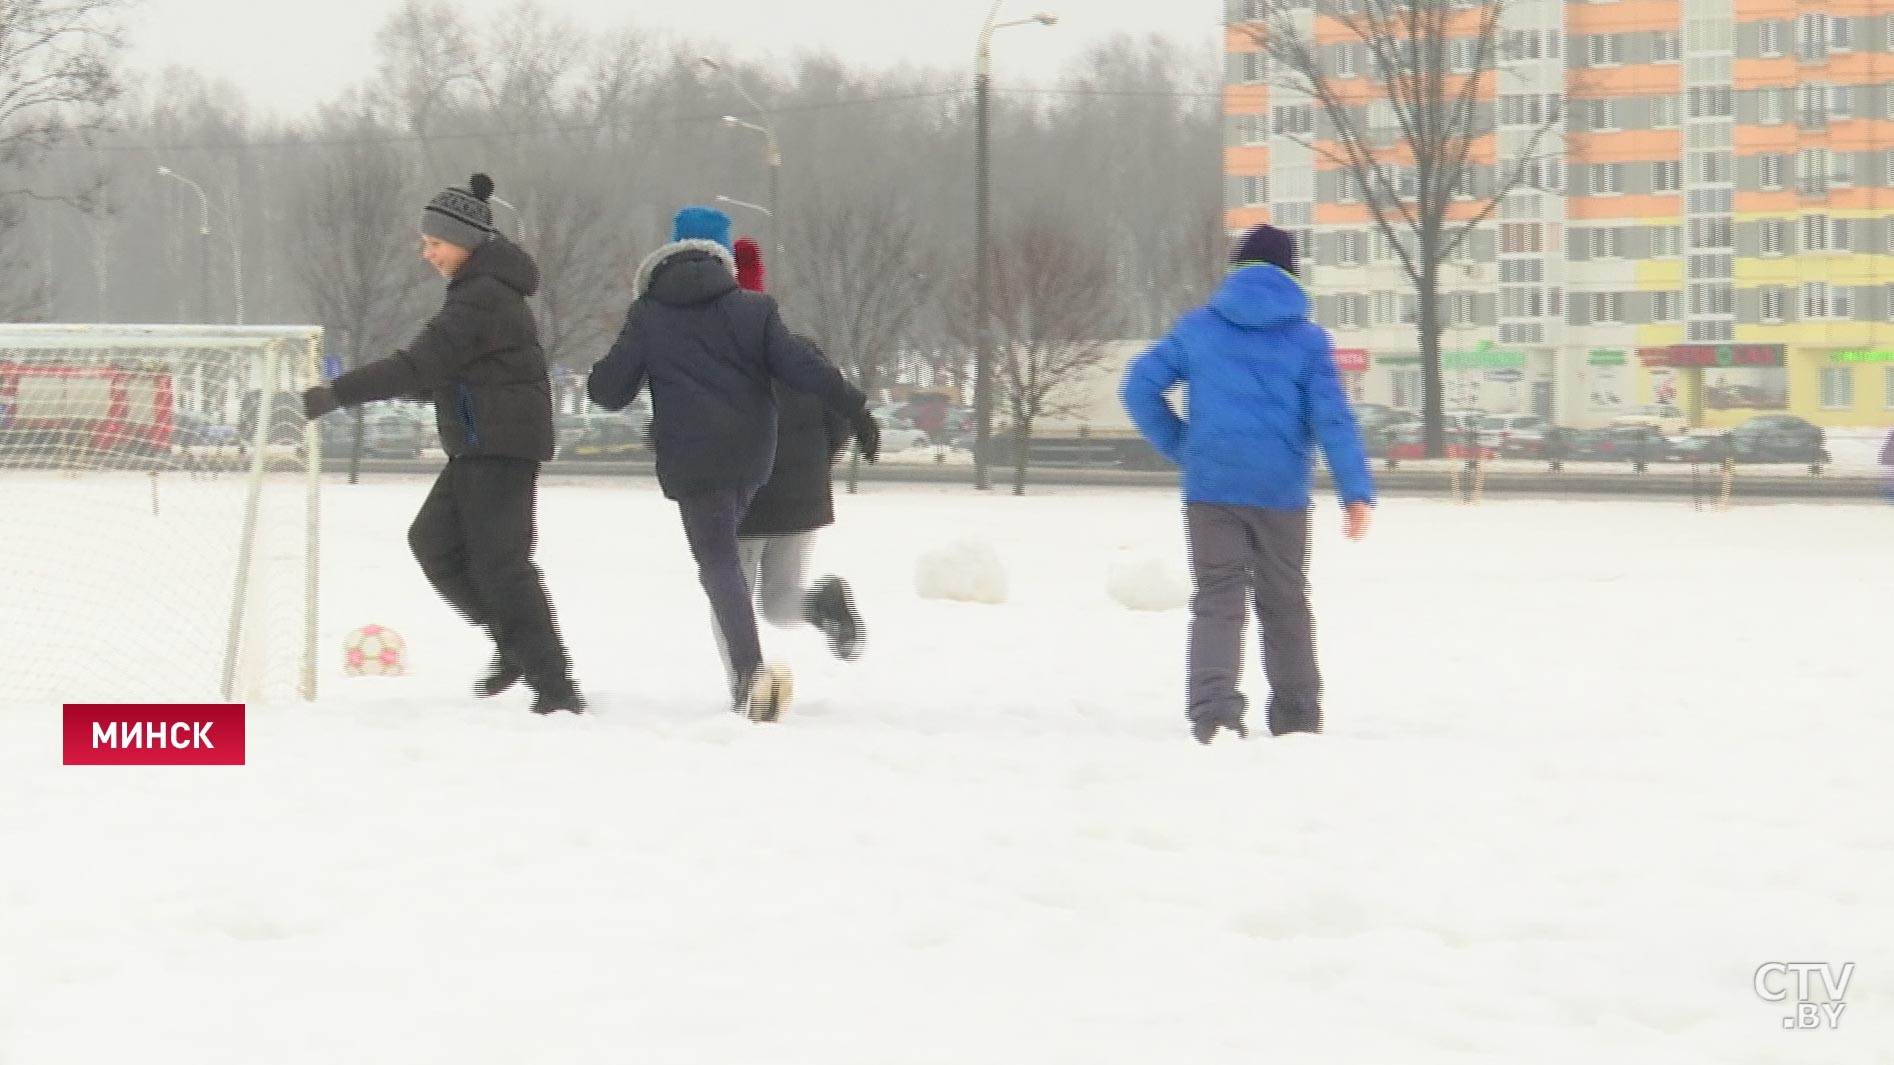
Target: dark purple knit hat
1267,244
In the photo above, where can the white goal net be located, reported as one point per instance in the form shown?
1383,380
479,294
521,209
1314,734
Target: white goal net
160,494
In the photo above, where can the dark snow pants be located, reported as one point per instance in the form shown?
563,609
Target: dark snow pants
711,521
474,538
1242,557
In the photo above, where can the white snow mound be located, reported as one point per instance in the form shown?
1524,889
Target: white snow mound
966,571
1144,581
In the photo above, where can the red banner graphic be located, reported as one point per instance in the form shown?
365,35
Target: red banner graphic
154,733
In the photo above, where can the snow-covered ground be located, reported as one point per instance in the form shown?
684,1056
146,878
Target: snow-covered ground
1589,765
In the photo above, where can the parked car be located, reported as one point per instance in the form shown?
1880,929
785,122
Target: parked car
394,434
1495,430
1671,420
898,434
1410,442
1701,448
1779,438
1639,443
607,439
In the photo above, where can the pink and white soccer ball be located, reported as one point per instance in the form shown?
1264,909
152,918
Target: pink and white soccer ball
374,651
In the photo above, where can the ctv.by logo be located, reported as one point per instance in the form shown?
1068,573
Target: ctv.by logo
1775,979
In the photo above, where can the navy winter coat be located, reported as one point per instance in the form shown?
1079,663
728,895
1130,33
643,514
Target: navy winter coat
710,351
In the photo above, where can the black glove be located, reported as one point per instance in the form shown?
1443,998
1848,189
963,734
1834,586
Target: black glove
319,401
867,433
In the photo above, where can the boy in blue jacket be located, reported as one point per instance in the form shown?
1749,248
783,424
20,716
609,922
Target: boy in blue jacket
1261,391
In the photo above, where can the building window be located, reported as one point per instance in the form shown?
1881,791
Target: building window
1887,386
1255,189
1811,37
1348,248
1838,387
1812,171
1769,176
1407,389
1601,50
1667,46
1253,67
1667,176
1461,308
1773,235
1814,300
1252,130
1769,39
1815,231
1773,304
1667,242
1666,306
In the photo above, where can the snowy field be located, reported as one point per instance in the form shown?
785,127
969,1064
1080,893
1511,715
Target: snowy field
1589,765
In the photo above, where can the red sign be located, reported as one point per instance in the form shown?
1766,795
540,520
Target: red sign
154,734
1713,355
1351,360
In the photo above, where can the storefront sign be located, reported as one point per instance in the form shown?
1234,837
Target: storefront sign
1351,360
1686,355
1607,388
1483,357
1863,356
1504,376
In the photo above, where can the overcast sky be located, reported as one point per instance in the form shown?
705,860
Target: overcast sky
287,55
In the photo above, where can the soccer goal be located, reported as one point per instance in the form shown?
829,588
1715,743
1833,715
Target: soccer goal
160,491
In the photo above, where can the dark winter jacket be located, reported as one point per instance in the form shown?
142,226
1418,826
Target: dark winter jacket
799,495
478,360
1262,392
709,351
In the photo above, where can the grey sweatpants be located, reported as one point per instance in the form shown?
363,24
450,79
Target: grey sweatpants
1244,557
775,569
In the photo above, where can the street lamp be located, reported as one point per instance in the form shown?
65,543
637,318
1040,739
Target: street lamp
745,203
771,144
983,365
203,232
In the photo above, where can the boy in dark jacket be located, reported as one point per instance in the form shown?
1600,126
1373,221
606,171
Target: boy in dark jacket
1261,390
479,361
710,352
777,534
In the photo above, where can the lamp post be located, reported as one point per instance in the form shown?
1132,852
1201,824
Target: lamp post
771,145
983,363
203,232
751,206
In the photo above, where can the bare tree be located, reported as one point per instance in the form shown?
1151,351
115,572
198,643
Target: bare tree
55,82
1408,126
1055,317
864,272
357,260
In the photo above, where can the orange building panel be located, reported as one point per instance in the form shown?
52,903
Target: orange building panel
1590,83
1630,146
1252,159
1635,208
1587,19
1245,217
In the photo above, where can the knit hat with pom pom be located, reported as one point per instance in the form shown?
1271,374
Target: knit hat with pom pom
749,265
461,216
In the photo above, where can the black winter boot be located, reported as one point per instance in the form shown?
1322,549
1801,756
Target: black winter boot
831,608
557,696
501,675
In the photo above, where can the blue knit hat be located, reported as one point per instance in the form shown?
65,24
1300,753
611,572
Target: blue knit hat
702,223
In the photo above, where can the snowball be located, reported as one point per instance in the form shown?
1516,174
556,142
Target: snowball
966,571
1147,582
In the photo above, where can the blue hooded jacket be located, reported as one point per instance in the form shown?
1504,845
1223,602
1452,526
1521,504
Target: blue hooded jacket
1261,391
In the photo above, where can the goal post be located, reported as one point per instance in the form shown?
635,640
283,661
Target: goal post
162,494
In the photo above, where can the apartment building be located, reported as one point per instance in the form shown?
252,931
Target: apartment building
1712,222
